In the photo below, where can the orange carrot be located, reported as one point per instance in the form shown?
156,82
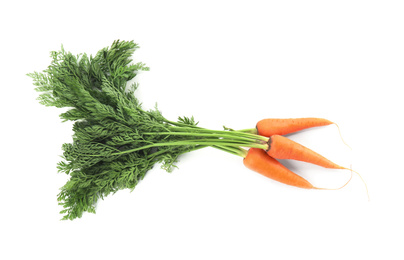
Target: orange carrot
280,147
274,126
259,161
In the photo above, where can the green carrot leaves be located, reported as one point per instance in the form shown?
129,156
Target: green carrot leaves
115,141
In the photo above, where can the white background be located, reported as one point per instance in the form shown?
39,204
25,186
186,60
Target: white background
226,63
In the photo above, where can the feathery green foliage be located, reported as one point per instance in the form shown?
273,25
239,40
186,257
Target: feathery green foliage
116,142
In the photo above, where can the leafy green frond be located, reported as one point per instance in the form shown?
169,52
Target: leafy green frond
115,141
187,120
85,187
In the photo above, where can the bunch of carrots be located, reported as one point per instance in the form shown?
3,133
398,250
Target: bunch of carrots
116,142
264,161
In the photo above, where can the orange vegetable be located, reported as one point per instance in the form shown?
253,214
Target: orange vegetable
280,147
259,161
275,126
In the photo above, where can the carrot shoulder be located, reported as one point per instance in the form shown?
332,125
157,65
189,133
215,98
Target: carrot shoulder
280,147
259,161
280,126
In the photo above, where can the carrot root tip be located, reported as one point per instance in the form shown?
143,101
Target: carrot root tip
352,171
339,131
318,188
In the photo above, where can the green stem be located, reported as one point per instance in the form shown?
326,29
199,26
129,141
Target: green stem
197,147
222,132
222,135
233,150
206,142
249,130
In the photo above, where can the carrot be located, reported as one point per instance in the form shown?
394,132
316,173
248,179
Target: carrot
280,147
259,161
277,126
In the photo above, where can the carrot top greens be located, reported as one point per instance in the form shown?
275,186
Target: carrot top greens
115,140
